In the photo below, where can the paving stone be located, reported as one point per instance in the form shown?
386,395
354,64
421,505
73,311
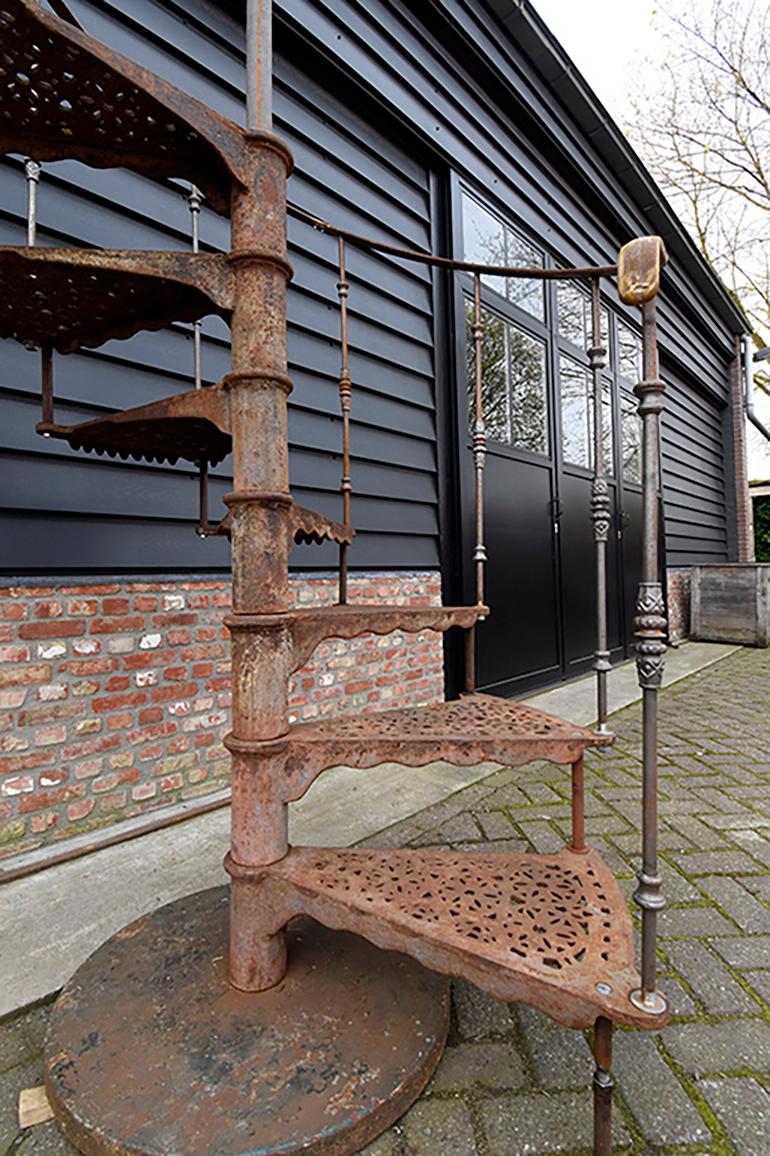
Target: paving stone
459,829
760,981
561,1056
715,862
389,1144
542,793
747,951
479,1016
757,847
692,921
439,1128
495,1066
758,885
48,1140
494,824
719,993
714,1049
749,819
27,1075
541,835
736,901
698,834
653,1094
680,1003
532,1124
743,1108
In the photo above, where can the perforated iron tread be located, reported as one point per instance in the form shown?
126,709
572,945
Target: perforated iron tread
551,930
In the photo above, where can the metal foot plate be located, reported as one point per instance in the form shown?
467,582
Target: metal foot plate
151,1051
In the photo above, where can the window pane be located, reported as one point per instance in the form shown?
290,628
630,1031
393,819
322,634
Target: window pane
494,393
526,294
631,429
513,390
526,358
629,353
574,317
483,240
575,419
607,438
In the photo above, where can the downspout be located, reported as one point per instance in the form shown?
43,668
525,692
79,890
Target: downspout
749,357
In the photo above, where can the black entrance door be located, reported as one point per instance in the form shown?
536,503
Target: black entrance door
539,467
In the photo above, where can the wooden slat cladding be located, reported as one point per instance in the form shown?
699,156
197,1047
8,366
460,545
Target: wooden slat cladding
68,511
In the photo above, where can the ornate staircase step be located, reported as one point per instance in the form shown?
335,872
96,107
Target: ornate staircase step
553,931
194,426
476,728
70,298
312,625
65,95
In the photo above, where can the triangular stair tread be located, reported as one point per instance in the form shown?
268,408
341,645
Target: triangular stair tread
64,95
311,625
553,930
194,426
70,298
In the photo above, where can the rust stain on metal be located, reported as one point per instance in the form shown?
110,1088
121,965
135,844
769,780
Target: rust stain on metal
542,929
69,298
153,1051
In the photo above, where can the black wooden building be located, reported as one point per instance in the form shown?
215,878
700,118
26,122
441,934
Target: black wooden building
452,125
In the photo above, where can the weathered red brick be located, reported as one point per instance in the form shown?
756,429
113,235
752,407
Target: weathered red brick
115,606
52,609
23,675
125,625
56,628
178,690
150,714
50,712
110,702
80,666
117,682
42,799
80,809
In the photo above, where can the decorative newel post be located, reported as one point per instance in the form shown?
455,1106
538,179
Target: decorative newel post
600,509
639,267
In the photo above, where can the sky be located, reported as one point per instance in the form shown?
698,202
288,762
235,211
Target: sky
613,43
609,41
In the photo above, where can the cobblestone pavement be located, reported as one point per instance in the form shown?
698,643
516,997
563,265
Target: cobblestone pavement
513,1082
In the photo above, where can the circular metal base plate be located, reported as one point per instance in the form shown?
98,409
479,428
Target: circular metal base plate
151,1051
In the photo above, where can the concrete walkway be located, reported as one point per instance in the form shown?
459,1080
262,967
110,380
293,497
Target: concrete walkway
512,1082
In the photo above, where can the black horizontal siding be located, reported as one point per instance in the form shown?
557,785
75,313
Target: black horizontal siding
64,510
695,500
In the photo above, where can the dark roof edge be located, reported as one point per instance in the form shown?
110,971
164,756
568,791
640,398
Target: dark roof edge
546,54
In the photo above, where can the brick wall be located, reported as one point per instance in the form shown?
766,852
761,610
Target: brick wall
114,697
678,588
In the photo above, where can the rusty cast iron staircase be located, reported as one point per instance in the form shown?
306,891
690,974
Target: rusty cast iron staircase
551,930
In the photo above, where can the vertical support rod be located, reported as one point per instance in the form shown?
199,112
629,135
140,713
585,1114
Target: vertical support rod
32,174
194,202
32,170
259,65
470,660
345,387
479,439
600,509
603,1084
578,807
650,631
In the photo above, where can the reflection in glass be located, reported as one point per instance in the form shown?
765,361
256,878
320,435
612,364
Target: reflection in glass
487,240
526,360
573,307
577,417
513,391
631,438
629,353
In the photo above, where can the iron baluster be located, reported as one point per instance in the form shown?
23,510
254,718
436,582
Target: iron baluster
345,387
600,508
32,170
603,1085
638,283
203,529
479,440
